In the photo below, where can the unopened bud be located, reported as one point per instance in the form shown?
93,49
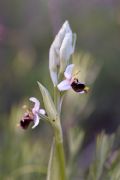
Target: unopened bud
66,50
60,51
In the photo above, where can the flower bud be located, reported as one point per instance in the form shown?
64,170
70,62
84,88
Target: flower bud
60,51
53,64
66,50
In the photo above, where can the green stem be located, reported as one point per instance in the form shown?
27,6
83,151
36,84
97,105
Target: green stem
55,96
60,154
57,151
59,139
61,159
57,99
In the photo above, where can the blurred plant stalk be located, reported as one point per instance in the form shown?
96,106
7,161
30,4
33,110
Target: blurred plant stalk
60,52
56,165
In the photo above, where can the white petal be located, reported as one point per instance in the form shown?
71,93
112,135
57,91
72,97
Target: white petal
54,55
73,41
54,77
66,27
66,49
36,106
68,71
42,111
82,92
36,121
60,36
64,85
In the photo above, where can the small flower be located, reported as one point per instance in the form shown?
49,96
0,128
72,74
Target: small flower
60,51
72,83
32,116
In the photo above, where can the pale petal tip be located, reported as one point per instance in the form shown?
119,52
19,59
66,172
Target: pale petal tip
33,99
68,71
66,22
82,92
66,26
34,126
42,111
36,104
36,121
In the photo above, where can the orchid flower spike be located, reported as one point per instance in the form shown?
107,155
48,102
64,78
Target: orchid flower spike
71,82
60,51
32,116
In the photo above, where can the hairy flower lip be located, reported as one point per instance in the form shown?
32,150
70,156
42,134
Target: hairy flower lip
72,83
32,115
26,120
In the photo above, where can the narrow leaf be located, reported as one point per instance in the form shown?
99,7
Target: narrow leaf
48,103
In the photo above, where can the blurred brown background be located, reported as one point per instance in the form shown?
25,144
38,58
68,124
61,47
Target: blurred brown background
27,29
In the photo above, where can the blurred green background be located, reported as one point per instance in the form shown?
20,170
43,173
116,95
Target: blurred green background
27,29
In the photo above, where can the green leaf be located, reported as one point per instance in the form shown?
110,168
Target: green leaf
48,103
53,116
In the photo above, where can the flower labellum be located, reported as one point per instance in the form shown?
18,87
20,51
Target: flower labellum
72,83
26,120
32,116
79,87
